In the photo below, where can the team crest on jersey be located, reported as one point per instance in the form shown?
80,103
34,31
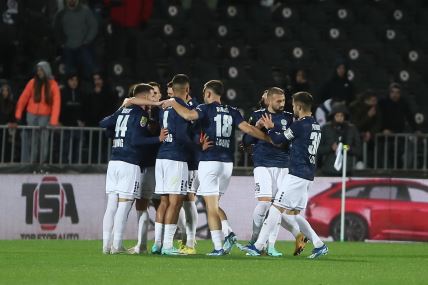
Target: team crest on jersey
143,121
283,122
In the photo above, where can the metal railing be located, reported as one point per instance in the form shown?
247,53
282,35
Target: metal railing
77,146
54,145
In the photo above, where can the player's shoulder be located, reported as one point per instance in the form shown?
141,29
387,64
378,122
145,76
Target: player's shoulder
288,114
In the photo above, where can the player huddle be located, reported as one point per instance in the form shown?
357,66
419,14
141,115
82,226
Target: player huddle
172,150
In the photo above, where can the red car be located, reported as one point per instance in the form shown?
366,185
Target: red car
377,209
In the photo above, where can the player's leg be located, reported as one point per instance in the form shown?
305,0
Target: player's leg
263,193
171,218
108,220
225,172
143,224
191,212
181,228
112,178
214,222
163,205
120,219
208,174
176,188
129,189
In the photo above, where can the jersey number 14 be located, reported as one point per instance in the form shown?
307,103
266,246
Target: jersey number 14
121,126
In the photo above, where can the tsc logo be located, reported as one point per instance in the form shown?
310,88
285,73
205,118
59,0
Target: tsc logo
48,202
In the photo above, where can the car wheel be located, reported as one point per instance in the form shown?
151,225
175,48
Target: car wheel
355,228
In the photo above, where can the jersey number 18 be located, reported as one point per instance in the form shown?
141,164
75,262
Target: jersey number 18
223,125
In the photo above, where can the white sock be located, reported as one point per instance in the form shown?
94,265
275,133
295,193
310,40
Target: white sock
109,219
191,222
120,219
143,224
225,227
181,224
168,238
159,228
268,226
289,223
217,238
259,215
307,230
273,236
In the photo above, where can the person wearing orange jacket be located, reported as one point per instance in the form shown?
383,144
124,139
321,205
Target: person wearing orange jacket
41,100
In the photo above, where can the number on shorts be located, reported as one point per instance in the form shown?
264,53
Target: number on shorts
121,126
223,125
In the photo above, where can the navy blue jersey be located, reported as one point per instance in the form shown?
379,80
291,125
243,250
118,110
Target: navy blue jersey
218,122
176,145
128,127
266,154
195,131
150,152
304,135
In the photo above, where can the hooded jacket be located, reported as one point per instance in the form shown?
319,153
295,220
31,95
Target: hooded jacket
26,100
333,132
75,27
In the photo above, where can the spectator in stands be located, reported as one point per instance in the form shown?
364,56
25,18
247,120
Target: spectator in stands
127,18
41,100
71,116
338,88
100,102
397,116
9,37
7,117
339,130
298,81
7,106
76,29
367,118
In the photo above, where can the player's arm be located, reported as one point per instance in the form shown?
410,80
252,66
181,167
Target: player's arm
109,122
188,115
142,138
276,137
253,131
247,139
139,101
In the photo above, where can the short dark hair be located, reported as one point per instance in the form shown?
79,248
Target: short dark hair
139,88
180,81
394,85
369,93
275,90
169,84
216,86
154,84
304,98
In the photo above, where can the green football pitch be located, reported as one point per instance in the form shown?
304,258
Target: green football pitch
81,262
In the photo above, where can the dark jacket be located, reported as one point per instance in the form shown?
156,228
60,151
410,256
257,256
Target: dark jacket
364,123
396,114
99,105
332,133
71,106
7,110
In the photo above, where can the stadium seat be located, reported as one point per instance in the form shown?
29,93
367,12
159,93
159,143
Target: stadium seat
122,68
180,49
208,50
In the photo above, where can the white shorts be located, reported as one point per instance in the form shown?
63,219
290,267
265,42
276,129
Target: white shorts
148,183
123,178
267,180
171,177
193,184
214,177
293,193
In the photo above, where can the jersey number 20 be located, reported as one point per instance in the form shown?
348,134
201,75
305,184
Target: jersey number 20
121,126
223,125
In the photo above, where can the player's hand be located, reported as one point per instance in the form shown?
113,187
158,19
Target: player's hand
167,103
126,103
267,121
163,134
260,124
205,142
